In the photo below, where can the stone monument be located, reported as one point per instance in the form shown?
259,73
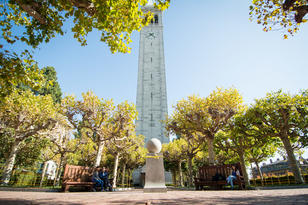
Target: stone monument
154,172
151,101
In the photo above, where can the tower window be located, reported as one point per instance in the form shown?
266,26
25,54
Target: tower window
156,19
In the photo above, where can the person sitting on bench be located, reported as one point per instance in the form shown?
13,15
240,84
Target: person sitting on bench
234,173
98,181
103,174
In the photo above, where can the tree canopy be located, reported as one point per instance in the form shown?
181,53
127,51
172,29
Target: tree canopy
42,20
51,85
284,15
204,117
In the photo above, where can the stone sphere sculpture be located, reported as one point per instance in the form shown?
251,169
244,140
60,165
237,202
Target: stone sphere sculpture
154,145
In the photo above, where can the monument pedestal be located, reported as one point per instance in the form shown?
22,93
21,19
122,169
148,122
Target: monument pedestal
154,174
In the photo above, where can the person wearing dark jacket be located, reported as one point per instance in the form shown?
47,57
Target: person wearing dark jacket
98,181
103,174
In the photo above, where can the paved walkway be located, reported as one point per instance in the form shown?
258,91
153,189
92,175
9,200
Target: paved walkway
282,196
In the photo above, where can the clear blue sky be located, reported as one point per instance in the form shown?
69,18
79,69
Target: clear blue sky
208,44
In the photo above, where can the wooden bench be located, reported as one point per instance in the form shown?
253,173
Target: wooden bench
207,176
77,176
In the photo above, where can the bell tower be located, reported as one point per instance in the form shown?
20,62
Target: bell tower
151,88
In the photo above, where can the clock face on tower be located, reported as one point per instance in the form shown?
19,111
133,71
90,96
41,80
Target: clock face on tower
150,35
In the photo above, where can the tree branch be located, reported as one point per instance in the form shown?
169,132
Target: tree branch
86,5
32,9
301,11
287,4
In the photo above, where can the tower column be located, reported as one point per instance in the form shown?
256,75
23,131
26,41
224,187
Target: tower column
151,89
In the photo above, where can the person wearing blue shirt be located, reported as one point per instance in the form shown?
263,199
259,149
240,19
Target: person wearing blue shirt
234,173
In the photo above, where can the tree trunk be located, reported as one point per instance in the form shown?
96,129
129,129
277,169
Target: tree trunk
210,144
292,160
9,164
254,179
180,173
99,154
56,182
128,178
118,175
173,172
190,178
244,170
123,174
115,169
260,172
43,174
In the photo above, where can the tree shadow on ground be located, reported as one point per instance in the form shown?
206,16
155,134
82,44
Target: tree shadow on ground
34,202
294,199
280,200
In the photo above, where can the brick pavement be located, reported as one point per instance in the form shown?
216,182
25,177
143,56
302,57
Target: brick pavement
281,196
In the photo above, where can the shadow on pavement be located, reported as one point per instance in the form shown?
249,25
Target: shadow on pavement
295,199
33,202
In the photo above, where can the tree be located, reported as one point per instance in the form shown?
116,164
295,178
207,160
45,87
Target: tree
119,149
238,144
179,124
15,71
220,106
24,115
283,116
174,153
95,117
198,120
260,151
42,20
241,138
62,144
133,158
51,86
193,141
96,121
208,115
286,15
122,133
